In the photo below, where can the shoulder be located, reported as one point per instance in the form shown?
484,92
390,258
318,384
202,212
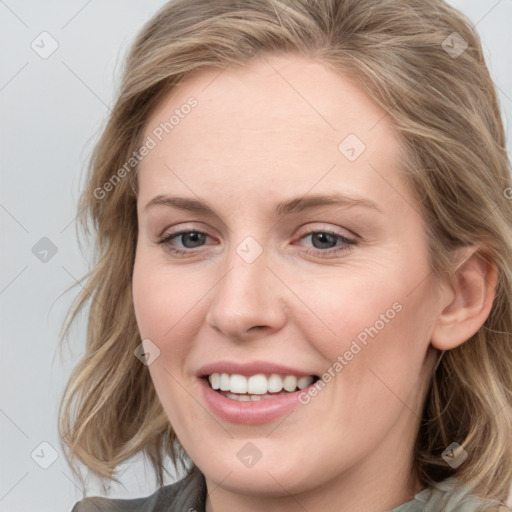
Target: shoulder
184,495
449,497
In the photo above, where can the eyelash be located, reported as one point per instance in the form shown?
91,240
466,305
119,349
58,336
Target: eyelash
349,243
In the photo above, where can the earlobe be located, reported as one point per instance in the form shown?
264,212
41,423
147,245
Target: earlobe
467,300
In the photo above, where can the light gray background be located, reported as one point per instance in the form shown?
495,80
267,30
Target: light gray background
51,113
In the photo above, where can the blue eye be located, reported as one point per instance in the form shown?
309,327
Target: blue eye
193,239
329,238
198,236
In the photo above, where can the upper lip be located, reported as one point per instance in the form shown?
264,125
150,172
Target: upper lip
249,368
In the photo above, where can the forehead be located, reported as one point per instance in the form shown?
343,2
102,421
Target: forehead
288,122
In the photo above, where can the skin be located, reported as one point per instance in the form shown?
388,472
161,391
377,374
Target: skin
258,136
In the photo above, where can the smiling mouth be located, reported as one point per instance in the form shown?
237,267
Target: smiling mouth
257,387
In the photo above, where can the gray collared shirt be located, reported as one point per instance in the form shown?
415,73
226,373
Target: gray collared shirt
189,495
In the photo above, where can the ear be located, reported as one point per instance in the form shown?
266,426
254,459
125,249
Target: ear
467,300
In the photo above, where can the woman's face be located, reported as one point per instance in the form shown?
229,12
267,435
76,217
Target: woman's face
303,255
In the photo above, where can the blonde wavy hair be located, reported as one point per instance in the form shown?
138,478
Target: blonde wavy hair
446,112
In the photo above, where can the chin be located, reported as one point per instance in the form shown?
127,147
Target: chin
273,475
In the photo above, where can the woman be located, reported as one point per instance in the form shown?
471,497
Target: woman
303,290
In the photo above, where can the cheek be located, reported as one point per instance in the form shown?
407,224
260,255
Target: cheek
364,325
164,300
163,305
348,309
374,361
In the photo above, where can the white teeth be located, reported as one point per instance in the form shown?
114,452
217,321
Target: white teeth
253,398
303,382
290,383
238,384
215,380
258,384
223,381
275,383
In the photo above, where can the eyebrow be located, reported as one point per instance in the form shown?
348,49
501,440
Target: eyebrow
283,208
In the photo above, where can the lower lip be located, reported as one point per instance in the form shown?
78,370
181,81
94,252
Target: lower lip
249,413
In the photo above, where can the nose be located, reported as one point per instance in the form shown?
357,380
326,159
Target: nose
247,301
